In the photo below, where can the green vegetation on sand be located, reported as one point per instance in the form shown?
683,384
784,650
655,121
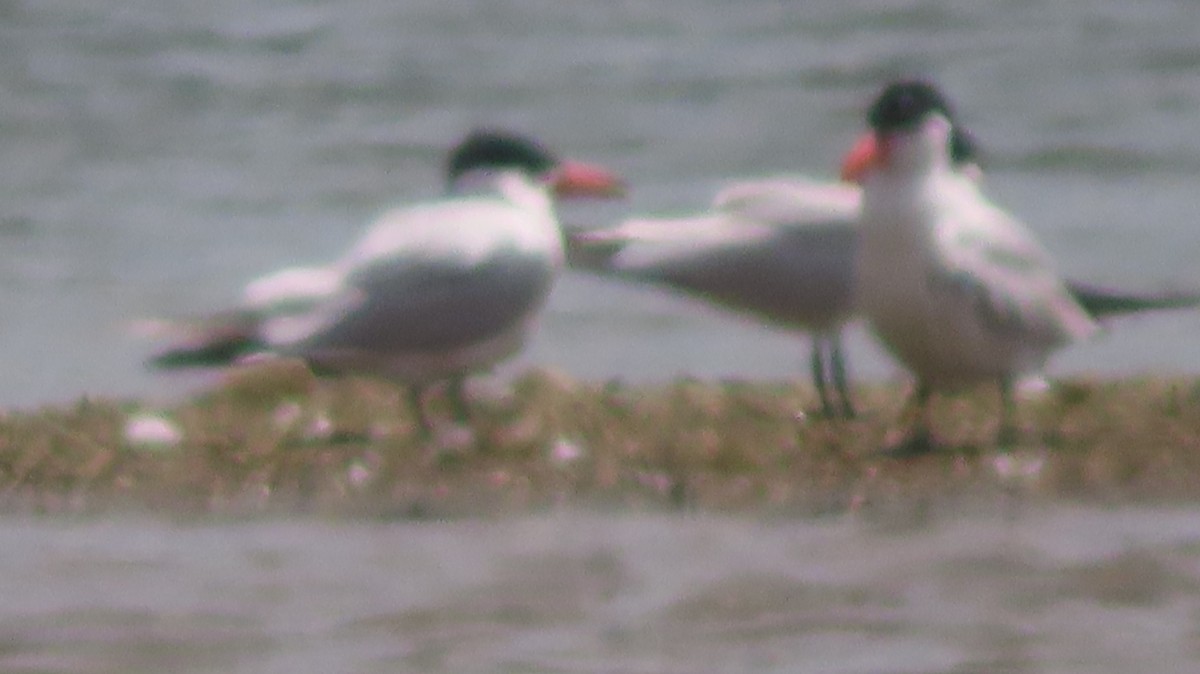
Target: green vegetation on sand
274,439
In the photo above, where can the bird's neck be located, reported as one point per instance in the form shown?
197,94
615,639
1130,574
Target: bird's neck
525,192
896,207
513,186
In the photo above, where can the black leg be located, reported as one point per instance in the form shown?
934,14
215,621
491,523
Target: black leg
456,395
416,402
1007,435
818,375
919,439
837,364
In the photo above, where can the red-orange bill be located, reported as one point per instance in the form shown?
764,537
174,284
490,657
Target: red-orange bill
867,153
578,179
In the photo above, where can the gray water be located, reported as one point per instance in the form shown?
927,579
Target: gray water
1042,590
155,155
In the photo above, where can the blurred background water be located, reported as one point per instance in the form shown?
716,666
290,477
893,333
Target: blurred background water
155,155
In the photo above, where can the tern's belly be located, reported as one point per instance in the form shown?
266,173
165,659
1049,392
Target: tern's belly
942,334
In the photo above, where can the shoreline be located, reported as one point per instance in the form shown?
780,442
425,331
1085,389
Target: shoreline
274,440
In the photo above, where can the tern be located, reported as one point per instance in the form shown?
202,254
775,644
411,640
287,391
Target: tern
782,250
431,292
957,290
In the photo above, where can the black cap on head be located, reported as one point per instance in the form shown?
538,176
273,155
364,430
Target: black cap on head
903,105
500,150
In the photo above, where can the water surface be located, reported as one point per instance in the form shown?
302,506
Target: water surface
158,154
1030,589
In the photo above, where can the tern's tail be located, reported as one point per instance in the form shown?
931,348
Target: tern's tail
214,342
587,251
1105,302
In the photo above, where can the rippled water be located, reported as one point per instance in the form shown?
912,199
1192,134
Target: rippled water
1038,590
157,154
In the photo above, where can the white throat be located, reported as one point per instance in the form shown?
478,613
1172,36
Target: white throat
922,151
513,185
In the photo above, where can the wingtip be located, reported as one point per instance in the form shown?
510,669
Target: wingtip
207,355
218,342
1106,302
592,250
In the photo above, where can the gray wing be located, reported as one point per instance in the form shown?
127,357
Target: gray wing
801,276
419,304
780,248
791,201
1012,278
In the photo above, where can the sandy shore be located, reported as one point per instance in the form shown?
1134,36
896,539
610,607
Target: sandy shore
276,440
